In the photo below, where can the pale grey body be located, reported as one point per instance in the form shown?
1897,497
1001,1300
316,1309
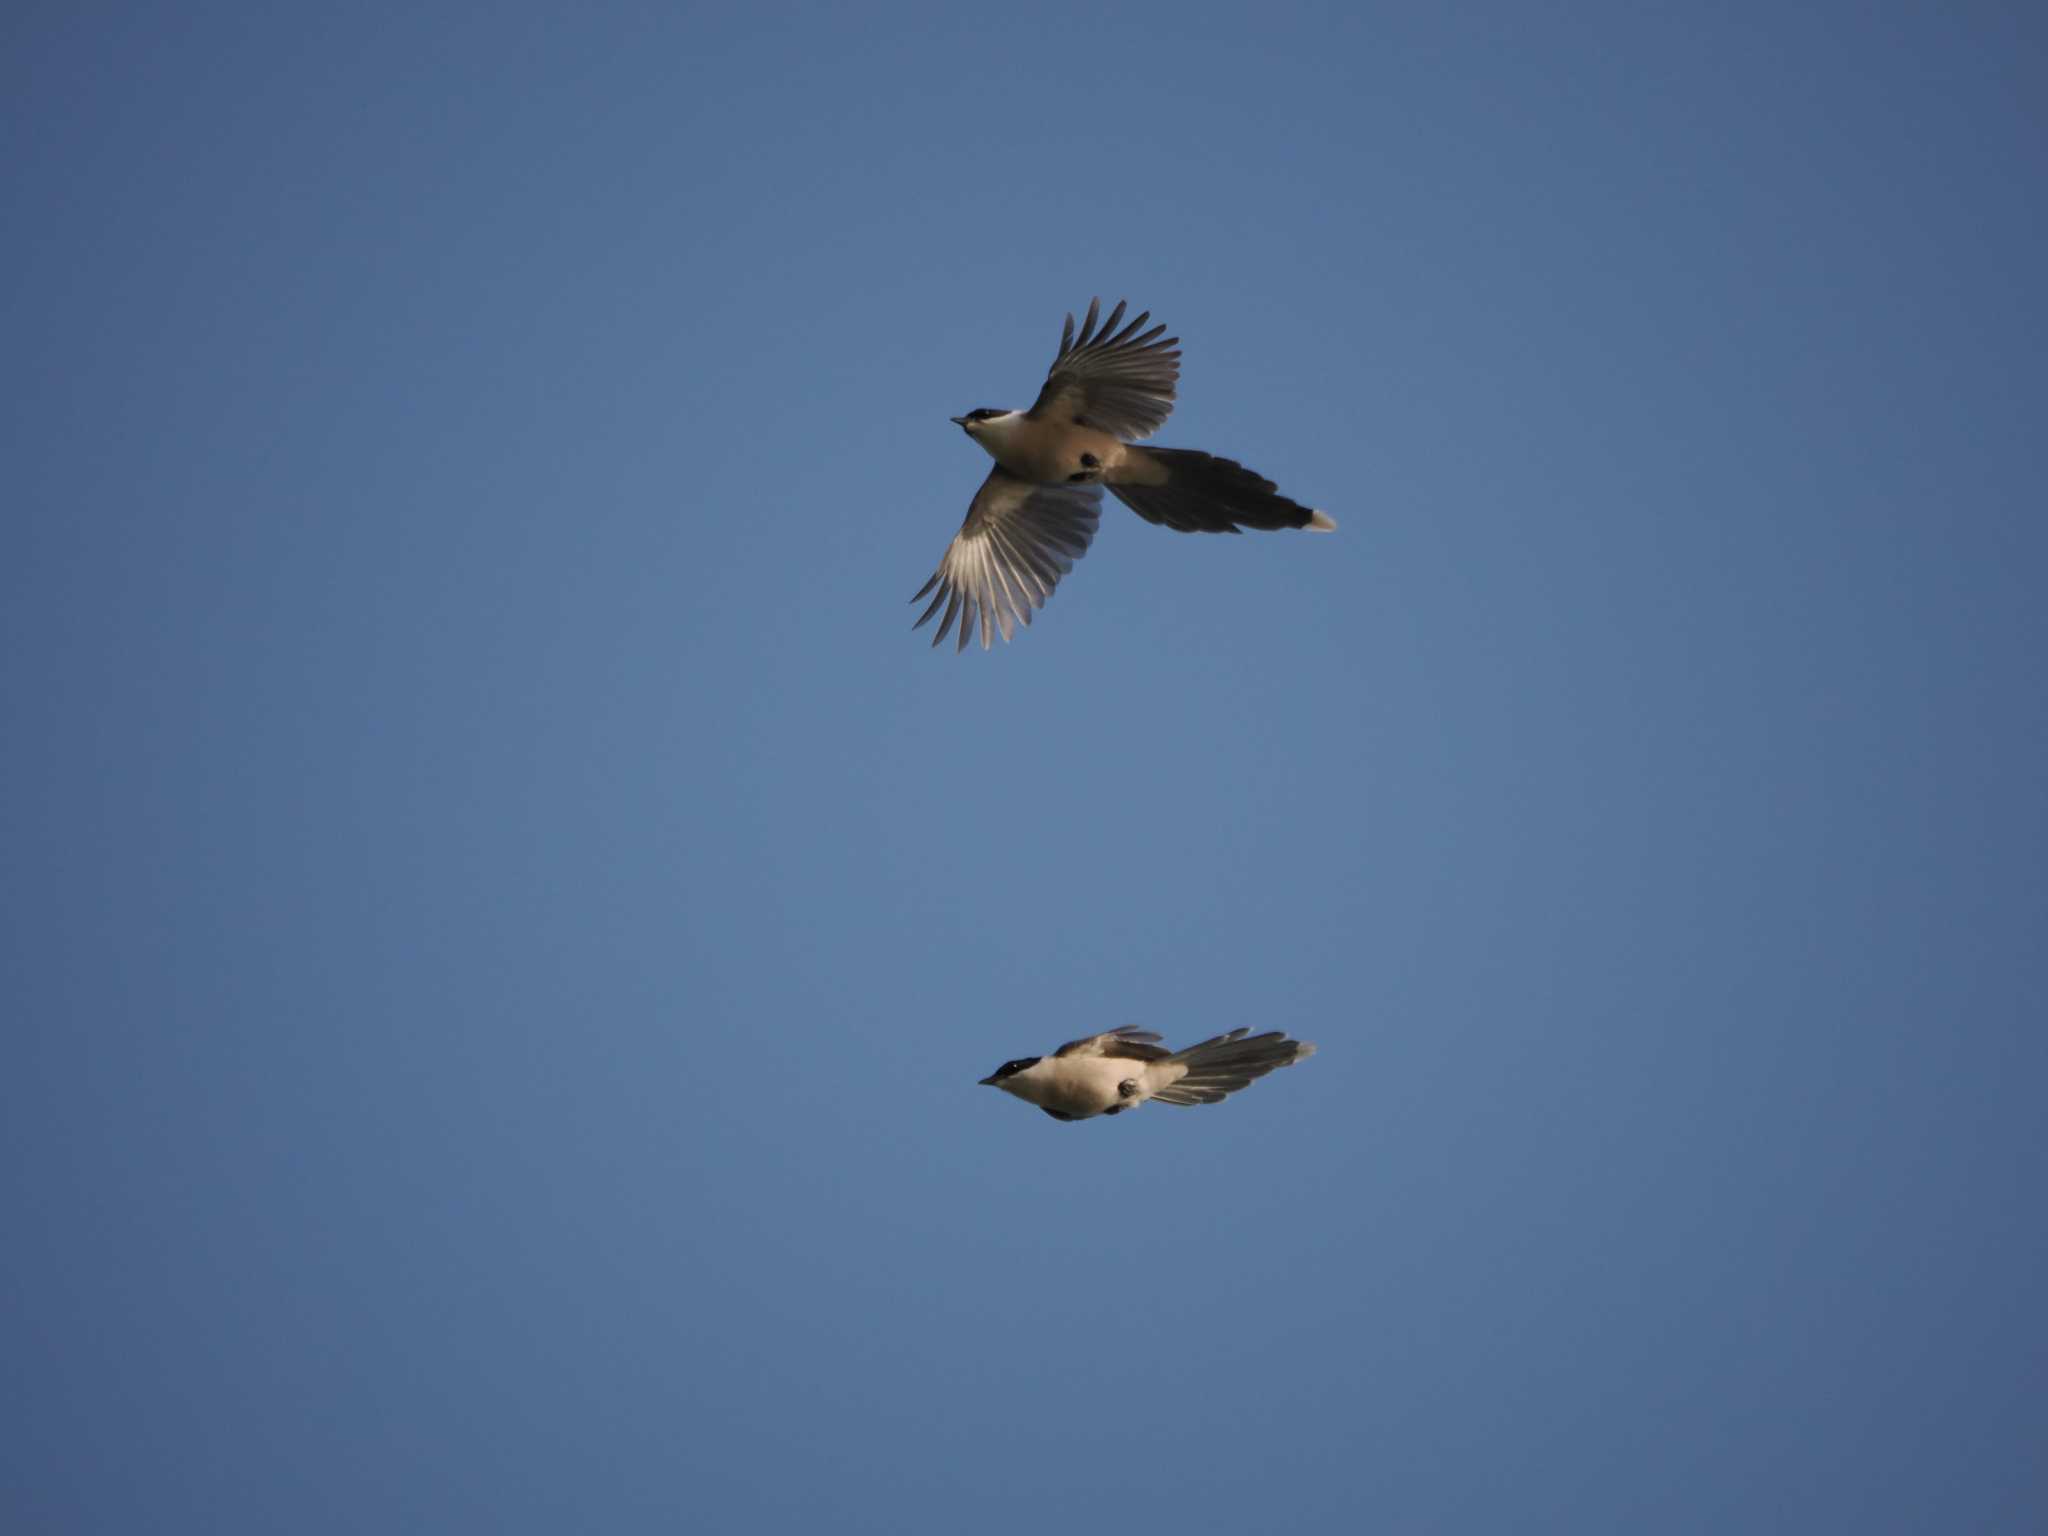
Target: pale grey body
1109,1073
1036,513
1053,452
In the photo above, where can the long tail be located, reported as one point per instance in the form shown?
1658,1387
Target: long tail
1193,492
1227,1063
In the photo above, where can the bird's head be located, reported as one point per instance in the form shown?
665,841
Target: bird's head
1010,1069
973,421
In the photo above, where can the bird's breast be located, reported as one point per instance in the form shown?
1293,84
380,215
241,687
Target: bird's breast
1087,1085
1051,453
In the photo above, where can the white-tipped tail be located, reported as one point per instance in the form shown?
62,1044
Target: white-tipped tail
1321,522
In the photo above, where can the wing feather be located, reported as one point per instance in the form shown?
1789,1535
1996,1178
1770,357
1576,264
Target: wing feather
1119,381
1017,541
1128,1043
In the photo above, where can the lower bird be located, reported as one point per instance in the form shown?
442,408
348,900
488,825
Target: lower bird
1109,1073
1036,513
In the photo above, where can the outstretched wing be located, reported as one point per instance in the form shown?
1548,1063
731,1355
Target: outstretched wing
1119,382
1018,541
1129,1043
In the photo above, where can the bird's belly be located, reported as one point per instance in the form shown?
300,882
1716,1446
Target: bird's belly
1087,1085
1067,461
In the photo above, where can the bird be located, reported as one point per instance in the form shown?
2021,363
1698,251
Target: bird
1036,513
1109,1073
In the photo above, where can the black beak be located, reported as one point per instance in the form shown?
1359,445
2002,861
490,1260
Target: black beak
958,421
986,1082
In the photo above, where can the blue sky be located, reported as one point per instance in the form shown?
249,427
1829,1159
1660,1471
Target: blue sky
503,919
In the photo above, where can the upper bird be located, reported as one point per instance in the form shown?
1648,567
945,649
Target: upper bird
1036,512
1109,1073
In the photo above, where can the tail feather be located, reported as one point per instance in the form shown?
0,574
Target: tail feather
1193,492
1219,1067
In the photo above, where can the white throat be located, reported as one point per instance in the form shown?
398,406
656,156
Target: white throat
1034,1085
997,434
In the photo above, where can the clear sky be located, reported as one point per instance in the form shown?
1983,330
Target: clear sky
503,918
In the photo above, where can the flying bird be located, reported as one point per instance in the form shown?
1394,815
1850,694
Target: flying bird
1036,512
1109,1073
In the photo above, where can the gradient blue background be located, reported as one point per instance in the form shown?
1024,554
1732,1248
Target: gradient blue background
503,919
